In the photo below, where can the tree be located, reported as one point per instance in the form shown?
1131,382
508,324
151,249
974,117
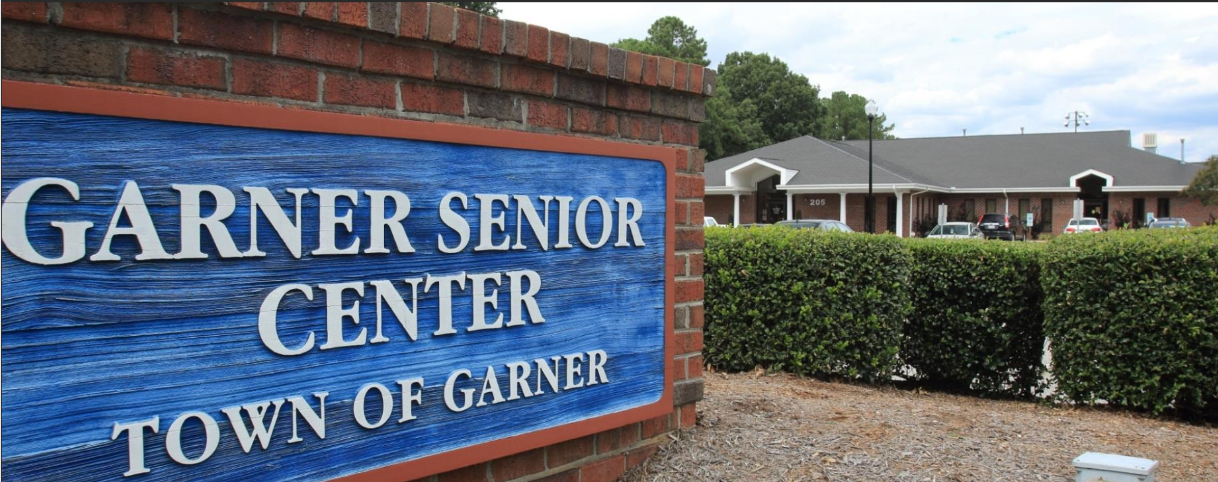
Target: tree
485,8
730,127
787,105
1205,185
844,116
670,37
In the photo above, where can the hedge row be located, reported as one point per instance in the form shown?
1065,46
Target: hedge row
976,323
823,304
1132,317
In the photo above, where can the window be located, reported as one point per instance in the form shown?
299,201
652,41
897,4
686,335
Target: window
991,205
1164,208
1046,214
1025,207
969,210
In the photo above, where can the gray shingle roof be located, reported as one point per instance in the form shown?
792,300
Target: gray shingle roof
997,161
818,162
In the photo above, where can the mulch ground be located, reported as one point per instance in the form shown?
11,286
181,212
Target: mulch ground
761,427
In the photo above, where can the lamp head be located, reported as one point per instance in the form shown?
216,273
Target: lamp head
871,109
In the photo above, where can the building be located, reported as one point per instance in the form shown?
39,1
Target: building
807,178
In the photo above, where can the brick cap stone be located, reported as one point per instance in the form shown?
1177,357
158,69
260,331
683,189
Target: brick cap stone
688,391
443,28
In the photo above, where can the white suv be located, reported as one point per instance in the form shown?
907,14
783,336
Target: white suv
708,222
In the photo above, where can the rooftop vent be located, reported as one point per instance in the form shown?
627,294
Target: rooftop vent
1150,142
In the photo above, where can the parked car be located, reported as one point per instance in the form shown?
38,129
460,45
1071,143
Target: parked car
821,224
709,222
1162,223
1002,226
1084,225
955,231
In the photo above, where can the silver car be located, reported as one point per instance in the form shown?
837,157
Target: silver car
1162,223
955,231
821,224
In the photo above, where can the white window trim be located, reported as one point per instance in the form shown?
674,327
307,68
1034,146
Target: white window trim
1144,188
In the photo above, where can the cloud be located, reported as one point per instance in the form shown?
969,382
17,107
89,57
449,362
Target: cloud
991,68
1010,32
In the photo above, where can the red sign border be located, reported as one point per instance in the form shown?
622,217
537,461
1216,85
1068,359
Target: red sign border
86,100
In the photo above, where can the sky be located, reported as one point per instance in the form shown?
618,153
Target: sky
936,69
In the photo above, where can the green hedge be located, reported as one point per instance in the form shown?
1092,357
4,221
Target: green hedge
805,301
1132,317
976,322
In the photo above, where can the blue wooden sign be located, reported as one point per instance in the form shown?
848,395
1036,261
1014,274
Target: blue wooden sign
185,301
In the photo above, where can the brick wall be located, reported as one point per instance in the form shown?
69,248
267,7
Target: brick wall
1191,209
1063,205
416,61
831,209
748,208
719,206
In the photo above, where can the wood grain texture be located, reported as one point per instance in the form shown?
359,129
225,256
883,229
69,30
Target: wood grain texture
89,344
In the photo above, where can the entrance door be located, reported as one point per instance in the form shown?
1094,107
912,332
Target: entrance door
1095,200
771,204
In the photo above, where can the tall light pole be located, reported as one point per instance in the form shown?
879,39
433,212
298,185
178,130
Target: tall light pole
871,110
1077,117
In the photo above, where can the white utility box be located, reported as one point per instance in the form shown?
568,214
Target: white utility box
1097,467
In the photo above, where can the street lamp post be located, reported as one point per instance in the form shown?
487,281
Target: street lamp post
871,110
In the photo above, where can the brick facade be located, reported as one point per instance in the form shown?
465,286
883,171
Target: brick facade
915,208
1063,206
418,61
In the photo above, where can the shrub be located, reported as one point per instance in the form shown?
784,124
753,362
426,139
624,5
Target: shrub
924,226
1132,317
976,322
805,301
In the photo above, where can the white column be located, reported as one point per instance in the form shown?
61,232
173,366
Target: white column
900,212
790,210
843,215
735,209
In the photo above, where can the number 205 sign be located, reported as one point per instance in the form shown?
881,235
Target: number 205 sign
196,290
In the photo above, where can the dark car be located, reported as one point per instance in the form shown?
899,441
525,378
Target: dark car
1002,226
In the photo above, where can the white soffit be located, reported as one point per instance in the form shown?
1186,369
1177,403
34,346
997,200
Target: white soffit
1091,172
745,175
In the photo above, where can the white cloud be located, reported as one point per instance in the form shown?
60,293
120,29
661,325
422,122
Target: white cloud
991,68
